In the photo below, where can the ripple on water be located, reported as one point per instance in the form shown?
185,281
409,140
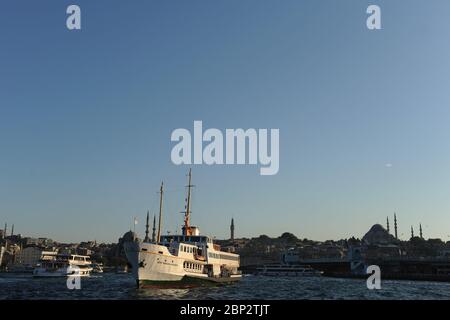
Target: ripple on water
112,286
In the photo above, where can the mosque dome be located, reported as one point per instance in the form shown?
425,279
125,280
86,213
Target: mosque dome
378,235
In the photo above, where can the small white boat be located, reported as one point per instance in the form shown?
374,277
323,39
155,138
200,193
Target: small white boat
97,268
64,266
288,270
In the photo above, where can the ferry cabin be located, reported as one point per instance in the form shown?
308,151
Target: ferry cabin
74,259
201,255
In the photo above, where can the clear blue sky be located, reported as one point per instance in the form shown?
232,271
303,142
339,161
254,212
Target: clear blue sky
86,116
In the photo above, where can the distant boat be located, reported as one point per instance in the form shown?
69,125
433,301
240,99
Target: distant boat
64,265
288,270
122,270
97,268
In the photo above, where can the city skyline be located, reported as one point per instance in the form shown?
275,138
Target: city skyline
148,227
86,116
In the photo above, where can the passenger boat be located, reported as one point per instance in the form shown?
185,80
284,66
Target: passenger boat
64,265
180,261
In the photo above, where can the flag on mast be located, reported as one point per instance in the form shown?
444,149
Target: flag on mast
135,222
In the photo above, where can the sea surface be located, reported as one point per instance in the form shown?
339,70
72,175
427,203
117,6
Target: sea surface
122,286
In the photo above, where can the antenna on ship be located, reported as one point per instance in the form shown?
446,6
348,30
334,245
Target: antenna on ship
187,213
158,238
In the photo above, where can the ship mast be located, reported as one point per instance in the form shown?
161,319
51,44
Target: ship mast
187,213
158,238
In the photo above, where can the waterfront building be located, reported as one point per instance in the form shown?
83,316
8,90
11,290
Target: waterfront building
84,251
28,241
32,255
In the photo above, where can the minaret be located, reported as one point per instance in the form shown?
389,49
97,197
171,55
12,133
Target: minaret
154,229
420,230
12,230
395,225
232,230
147,239
6,229
387,224
412,232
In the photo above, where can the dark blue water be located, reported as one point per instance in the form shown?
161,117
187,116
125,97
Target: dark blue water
115,286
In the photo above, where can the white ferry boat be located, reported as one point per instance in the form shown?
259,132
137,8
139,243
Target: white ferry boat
287,270
64,265
180,261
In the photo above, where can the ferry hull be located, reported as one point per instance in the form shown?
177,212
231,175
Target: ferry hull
154,267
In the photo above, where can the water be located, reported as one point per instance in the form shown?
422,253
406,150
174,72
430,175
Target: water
122,286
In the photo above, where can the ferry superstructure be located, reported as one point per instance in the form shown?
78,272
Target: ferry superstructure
180,261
